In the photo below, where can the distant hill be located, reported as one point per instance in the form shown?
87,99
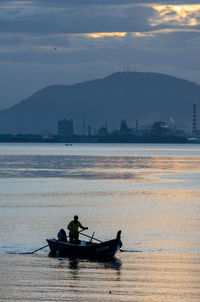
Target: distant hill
147,97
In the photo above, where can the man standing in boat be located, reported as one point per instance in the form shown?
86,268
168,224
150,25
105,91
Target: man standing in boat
73,227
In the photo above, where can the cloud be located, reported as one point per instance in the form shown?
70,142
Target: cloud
72,17
176,15
69,18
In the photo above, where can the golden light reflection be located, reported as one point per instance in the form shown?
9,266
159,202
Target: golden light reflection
103,35
163,276
177,14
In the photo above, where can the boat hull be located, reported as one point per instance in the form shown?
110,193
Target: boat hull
91,250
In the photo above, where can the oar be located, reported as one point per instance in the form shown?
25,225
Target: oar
98,240
35,250
91,237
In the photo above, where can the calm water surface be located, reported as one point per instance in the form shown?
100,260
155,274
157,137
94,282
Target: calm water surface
150,192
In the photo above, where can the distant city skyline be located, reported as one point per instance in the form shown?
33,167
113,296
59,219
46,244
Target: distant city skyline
63,42
158,132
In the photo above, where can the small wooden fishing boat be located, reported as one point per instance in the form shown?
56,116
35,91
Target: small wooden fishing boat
85,249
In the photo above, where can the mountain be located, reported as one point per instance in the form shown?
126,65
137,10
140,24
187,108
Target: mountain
147,97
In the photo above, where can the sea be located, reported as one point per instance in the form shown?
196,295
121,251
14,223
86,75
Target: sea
151,192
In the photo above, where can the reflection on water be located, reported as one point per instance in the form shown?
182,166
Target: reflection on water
163,277
74,263
95,167
150,192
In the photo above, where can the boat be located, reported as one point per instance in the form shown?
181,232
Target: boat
85,249
193,140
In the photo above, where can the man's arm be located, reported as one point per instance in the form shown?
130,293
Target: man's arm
82,227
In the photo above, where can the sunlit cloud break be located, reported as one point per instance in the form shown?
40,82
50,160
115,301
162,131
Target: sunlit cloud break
184,15
103,35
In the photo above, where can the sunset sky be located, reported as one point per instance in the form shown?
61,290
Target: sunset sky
45,42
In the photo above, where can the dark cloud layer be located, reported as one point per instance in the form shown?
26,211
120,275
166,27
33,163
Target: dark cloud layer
75,19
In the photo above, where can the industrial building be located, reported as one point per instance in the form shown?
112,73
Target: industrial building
65,128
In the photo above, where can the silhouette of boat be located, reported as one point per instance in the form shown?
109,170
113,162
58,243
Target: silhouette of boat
85,249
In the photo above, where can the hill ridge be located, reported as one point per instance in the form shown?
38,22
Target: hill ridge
132,95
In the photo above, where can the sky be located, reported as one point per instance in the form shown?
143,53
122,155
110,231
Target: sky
47,42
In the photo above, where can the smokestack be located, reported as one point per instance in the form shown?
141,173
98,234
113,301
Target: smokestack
84,126
136,126
89,130
194,122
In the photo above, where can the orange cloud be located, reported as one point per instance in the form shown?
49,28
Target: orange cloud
177,14
103,35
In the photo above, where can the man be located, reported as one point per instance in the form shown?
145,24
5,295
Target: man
73,230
